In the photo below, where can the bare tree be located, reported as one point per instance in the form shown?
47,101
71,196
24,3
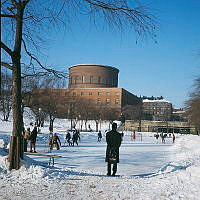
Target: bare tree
6,95
193,105
24,22
44,102
110,114
96,115
134,112
85,109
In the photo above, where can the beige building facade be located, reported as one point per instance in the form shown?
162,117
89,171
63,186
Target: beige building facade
158,109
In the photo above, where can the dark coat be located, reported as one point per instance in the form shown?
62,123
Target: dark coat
33,135
75,136
55,139
68,136
113,139
99,135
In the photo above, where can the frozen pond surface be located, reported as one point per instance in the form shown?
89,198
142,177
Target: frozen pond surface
142,156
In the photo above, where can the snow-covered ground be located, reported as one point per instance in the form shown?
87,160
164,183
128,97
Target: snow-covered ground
148,169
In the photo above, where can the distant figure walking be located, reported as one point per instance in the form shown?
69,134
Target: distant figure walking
32,139
68,138
99,136
173,138
157,136
133,136
75,138
163,138
89,127
79,135
113,139
54,141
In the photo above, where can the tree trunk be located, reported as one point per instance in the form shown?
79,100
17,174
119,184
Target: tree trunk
97,126
86,125
15,144
71,124
15,151
140,128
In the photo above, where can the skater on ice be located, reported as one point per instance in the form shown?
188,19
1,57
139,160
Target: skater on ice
54,141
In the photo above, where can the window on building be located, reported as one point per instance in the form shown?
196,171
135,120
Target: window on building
75,79
107,101
98,101
99,79
74,94
90,93
107,93
99,93
83,79
91,79
113,82
117,93
116,101
82,93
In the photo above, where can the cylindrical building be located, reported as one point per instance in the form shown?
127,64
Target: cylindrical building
93,76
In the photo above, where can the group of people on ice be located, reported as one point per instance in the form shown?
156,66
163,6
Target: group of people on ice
54,140
164,136
71,140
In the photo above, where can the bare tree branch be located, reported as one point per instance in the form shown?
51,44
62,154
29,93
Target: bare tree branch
25,75
7,15
7,49
56,73
137,17
4,64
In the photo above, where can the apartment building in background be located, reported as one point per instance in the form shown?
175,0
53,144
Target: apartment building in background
157,109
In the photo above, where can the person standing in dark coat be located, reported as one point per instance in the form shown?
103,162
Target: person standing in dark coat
68,138
173,138
32,139
113,139
99,136
75,138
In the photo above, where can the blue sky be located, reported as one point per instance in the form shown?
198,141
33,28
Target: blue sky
165,68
